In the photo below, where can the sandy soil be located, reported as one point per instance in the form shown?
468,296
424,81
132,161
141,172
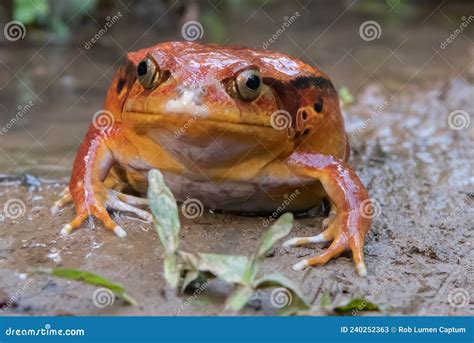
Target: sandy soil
418,252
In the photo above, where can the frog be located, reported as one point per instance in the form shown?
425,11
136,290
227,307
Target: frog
234,128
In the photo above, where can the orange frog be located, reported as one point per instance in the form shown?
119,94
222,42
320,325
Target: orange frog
236,128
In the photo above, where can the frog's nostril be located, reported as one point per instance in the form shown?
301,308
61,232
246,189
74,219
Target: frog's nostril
318,107
304,115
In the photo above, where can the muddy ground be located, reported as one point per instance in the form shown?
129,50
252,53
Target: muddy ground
417,165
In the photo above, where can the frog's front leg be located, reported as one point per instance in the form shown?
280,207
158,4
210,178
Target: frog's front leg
89,188
346,227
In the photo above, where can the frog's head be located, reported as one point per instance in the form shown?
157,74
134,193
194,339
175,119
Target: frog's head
198,93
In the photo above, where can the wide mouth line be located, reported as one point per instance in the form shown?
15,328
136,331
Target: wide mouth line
188,117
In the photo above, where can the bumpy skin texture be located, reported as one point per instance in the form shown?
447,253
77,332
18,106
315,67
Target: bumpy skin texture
211,145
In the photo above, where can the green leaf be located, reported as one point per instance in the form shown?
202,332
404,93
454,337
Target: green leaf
357,304
171,271
89,278
325,299
239,298
229,268
286,296
277,231
346,96
165,211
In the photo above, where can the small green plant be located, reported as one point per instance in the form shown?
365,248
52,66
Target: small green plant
181,268
89,278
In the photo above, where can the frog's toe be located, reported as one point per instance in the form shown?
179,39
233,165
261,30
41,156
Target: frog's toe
74,224
114,203
130,199
334,250
323,237
65,198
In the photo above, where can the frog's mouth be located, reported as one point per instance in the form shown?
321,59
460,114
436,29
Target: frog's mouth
209,142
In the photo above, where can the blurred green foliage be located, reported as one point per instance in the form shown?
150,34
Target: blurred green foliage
54,15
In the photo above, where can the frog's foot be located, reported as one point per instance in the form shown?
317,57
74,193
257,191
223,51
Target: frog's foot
65,198
113,201
342,238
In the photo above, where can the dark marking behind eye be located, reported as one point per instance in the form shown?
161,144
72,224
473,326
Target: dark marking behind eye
253,82
142,68
318,107
306,82
120,83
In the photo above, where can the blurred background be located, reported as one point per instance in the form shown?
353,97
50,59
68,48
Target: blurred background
57,57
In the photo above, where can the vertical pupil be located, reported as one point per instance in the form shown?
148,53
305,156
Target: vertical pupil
142,68
253,82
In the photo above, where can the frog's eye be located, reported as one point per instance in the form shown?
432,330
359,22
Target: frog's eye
249,84
148,73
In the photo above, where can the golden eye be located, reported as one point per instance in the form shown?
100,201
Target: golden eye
148,73
248,84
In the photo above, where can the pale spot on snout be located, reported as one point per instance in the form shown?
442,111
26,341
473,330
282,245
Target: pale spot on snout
189,102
